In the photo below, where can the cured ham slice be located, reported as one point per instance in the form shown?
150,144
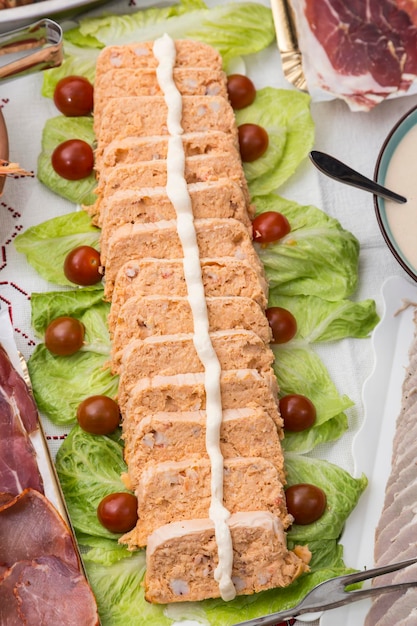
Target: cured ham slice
18,417
14,387
31,527
360,51
18,466
46,590
41,580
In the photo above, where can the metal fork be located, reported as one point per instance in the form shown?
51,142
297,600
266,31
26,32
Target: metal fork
332,593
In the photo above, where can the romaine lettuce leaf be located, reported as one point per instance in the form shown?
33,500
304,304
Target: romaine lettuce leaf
300,370
87,305
88,472
57,130
321,320
234,29
324,432
102,550
285,115
120,596
341,489
61,383
47,244
318,257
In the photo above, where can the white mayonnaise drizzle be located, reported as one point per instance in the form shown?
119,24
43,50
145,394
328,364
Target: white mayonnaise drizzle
177,191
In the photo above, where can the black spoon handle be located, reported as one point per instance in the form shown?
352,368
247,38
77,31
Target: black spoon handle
344,174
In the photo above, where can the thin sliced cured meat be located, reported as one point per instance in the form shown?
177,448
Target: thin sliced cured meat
31,527
18,465
46,590
18,417
362,51
14,387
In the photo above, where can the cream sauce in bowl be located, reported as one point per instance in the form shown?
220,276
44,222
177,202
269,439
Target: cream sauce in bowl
397,169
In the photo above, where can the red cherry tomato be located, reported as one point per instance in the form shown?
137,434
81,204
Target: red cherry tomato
64,336
98,415
270,226
253,141
73,159
305,502
283,324
82,266
118,512
74,96
297,411
241,91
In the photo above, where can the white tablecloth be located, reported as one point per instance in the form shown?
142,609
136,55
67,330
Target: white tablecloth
355,138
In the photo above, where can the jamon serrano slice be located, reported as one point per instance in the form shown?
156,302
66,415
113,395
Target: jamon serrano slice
18,467
360,51
41,580
46,590
31,527
18,417
14,387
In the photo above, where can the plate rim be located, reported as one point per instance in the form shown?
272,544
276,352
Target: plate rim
10,19
393,139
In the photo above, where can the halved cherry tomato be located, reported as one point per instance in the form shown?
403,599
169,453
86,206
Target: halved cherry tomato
82,266
64,336
98,415
283,324
253,141
118,512
305,502
73,159
297,411
241,91
74,96
270,226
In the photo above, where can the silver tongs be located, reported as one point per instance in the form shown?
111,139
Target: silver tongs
32,48
332,593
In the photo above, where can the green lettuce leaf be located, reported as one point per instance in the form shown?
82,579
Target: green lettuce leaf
300,370
325,432
57,130
320,320
87,474
341,489
101,550
119,593
61,383
78,303
234,29
285,115
47,244
318,257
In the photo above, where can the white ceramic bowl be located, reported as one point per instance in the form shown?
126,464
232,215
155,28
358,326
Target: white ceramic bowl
396,168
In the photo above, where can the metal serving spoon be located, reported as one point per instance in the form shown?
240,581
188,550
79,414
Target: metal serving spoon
344,174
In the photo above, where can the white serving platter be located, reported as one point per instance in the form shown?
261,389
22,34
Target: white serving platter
10,19
391,342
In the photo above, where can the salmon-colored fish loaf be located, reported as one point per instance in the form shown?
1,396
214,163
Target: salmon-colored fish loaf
190,336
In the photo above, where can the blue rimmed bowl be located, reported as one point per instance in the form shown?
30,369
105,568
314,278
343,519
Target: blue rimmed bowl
396,168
